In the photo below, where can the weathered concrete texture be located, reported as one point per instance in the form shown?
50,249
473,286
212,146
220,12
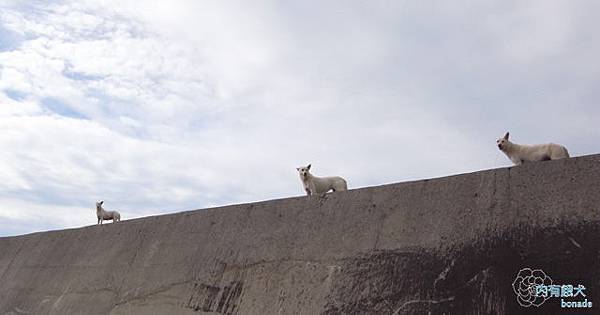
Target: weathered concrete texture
444,246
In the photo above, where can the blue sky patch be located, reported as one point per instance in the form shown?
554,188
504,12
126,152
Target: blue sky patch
60,108
9,40
79,76
15,95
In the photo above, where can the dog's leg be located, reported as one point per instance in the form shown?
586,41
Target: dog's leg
312,188
307,191
324,194
519,162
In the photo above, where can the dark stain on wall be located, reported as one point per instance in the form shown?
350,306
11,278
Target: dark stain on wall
475,278
210,298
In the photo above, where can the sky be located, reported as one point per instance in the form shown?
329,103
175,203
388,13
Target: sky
163,106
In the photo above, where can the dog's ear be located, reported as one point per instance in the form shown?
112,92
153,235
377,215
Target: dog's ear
101,202
298,169
506,135
308,167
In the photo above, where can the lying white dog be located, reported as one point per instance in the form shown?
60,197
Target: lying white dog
520,154
320,185
106,215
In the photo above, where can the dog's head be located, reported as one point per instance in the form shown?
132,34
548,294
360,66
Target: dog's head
303,170
99,204
503,142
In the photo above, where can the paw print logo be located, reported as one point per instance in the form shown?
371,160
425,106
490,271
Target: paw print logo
525,285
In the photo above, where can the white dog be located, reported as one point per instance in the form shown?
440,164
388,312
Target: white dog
106,215
520,154
320,185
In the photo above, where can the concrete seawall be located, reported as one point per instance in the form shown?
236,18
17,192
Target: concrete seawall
451,245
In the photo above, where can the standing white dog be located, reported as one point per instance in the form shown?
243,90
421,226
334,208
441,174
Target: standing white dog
106,215
314,185
520,154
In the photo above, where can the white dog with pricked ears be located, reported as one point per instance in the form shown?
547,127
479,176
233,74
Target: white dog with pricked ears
106,215
519,153
314,185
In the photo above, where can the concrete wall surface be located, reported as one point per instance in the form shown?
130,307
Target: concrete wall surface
452,245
